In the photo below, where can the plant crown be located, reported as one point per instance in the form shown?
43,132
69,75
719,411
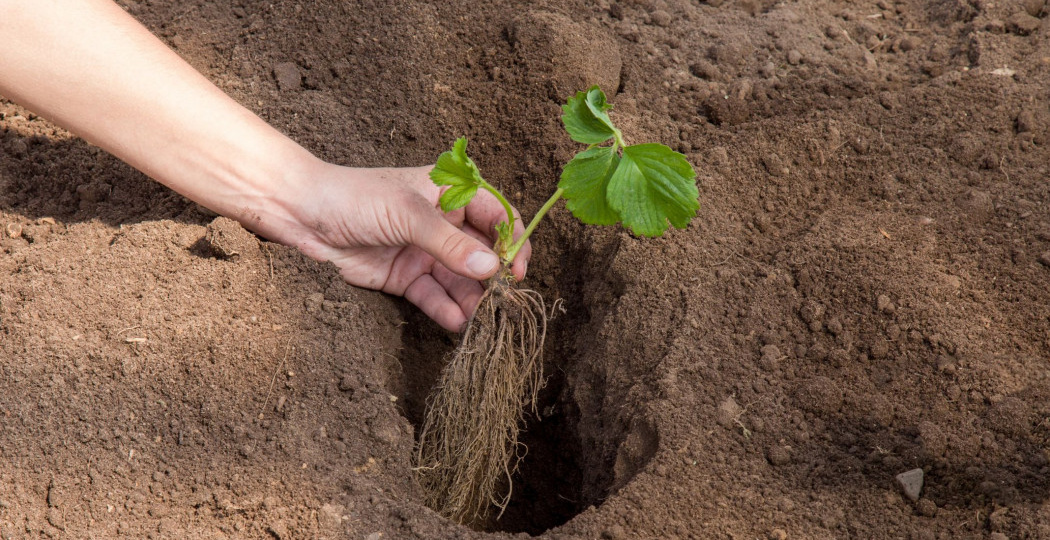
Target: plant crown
642,186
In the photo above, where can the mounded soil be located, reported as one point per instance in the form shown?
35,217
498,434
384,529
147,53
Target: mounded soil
865,291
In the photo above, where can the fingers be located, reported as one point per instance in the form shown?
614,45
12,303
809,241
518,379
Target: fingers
450,246
484,212
465,292
432,298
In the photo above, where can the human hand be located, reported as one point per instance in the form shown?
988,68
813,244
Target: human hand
384,230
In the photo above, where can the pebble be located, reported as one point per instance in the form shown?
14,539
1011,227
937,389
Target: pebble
614,532
794,57
1044,258
374,536
778,534
910,483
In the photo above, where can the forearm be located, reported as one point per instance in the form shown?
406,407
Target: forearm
91,68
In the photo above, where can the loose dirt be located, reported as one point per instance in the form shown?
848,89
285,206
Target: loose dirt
866,289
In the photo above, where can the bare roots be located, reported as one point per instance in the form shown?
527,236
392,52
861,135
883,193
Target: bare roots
468,448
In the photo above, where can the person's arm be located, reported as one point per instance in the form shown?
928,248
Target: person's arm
93,69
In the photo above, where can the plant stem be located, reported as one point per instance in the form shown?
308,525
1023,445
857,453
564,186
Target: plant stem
502,200
503,242
516,246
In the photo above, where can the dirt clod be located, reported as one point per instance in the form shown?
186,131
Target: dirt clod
288,76
226,239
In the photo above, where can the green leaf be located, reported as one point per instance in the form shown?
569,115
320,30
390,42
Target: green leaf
653,185
505,234
585,118
454,168
585,180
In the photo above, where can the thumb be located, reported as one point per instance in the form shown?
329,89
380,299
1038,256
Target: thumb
455,249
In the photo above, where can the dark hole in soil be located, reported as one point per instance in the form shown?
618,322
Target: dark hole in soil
548,489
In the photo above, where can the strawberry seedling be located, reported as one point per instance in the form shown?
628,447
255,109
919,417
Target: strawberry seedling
468,446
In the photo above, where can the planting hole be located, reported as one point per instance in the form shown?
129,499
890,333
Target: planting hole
569,465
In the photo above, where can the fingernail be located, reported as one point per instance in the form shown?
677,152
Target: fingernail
482,262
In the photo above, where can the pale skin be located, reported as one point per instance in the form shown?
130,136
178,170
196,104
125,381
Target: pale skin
91,68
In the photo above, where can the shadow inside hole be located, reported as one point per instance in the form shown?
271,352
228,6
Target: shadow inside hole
548,488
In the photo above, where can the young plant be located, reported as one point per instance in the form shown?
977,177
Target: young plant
468,447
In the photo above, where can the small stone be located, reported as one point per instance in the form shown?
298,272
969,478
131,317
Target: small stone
794,57
835,327
288,76
778,534
926,507
1044,258
910,483
374,536
347,384
14,230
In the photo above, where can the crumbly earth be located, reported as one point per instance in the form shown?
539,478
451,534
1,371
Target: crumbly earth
865,291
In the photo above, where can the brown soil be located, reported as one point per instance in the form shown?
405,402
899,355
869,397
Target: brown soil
866,289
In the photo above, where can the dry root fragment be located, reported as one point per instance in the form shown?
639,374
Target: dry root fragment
468,448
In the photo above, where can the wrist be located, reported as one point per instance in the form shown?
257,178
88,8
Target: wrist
273,195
